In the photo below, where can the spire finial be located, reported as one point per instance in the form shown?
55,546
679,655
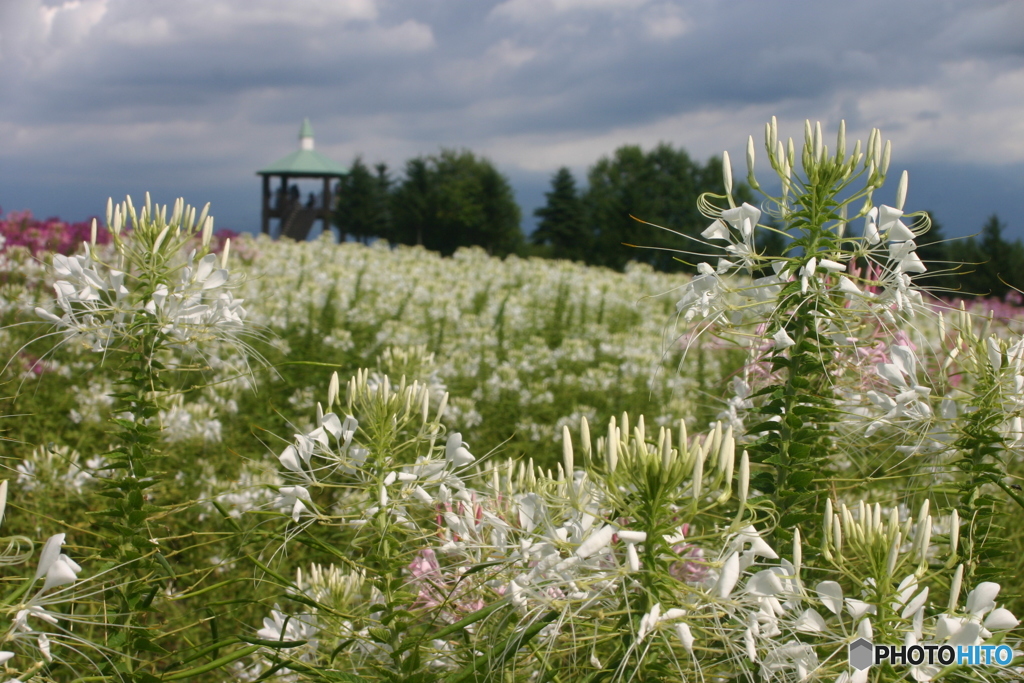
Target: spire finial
306,136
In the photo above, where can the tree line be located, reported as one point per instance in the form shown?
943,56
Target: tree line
455,198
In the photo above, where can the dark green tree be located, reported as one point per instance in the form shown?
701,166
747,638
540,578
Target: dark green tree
997,263
563,224
661,187
362,205
455,199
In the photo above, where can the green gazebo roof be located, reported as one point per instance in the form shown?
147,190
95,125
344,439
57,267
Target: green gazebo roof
305,161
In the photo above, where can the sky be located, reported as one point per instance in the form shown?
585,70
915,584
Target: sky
190,98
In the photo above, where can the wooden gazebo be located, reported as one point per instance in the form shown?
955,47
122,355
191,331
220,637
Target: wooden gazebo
295,218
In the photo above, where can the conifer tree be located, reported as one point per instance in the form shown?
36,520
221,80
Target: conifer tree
563,225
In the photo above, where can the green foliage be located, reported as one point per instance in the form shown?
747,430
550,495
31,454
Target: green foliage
455,199
660,186
563,223
363,206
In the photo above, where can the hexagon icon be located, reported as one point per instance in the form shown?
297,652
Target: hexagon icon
861,653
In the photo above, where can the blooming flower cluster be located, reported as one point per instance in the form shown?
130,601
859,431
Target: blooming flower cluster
189,301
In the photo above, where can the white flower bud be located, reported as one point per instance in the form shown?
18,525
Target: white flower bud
612,454
826,520
115,227
841,141
926,536
883,165
202,218
775,132
954,533
567,457
894,553
750,156
92,233
819,149
224,254
207,231
160,239
901,191
110,211
798,552
179,205
727,173
744,483
632,557
332,391
954,587
666,449
585,439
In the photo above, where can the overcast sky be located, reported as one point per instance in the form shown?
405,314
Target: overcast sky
190,97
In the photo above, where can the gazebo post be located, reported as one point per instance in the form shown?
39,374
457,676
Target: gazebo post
325,216
265,226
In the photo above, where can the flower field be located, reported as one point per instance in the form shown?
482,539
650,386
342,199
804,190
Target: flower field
253,460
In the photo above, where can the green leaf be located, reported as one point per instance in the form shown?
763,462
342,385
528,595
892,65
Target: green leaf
800,480
792,519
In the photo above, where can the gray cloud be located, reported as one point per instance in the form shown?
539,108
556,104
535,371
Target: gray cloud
194,95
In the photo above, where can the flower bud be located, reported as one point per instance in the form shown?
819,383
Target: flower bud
798,550
224,254
110,211
841,141
332,391
954,588
179,204
612,454
698,476
148,208
585,439
632,557
160,239
883,165
3,499
92,233
684,439
819,149
202,218
750,162
567,458
837,537
775,132
926,536
207,231
727,173
954,533
894,554
441,406
901,191
666,449
744,482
